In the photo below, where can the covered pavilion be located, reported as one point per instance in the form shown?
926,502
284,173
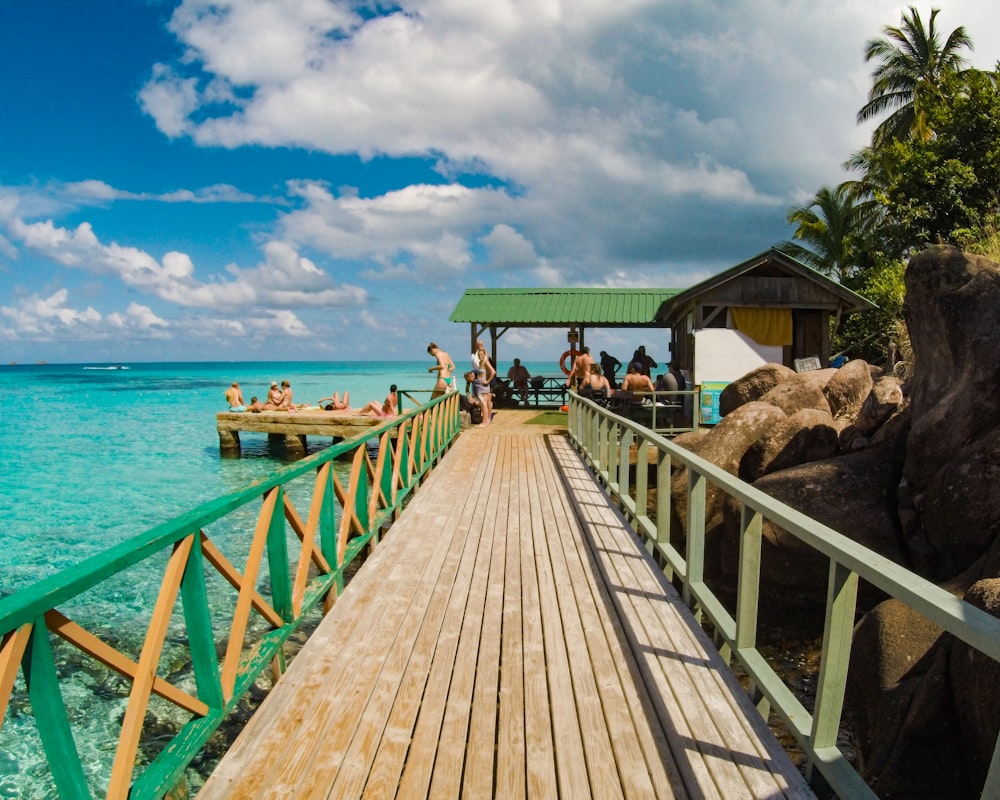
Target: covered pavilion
495,311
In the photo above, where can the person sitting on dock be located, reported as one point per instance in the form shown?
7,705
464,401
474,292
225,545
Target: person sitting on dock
234,397
596,387
334,402
285,400
274,395
256,405
635,381
389,408
518,376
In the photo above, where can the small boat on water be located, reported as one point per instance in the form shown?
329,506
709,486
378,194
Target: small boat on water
113,366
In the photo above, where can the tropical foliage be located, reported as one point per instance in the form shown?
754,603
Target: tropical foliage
931,174
913,65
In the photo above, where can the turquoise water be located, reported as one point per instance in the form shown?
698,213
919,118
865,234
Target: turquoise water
91,456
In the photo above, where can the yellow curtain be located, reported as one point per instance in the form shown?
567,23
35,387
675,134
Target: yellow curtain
770,326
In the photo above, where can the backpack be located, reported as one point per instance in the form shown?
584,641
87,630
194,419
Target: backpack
476,413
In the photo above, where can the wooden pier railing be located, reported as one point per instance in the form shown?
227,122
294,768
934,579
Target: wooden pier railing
247,579
607,441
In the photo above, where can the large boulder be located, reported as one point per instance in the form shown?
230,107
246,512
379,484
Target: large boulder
961,506
975,686
807,435
951,310
803,390
723,446
905,723
884,400
752,386
848,388
849,493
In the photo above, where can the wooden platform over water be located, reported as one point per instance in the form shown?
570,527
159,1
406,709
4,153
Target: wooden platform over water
509,638
292,427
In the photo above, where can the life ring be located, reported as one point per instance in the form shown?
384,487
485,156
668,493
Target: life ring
567,368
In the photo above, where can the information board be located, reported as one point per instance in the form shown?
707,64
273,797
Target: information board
710,391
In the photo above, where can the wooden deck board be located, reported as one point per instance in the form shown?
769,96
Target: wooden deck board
743,758
509,638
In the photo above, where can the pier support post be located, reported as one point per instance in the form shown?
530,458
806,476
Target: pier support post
295,444
229,443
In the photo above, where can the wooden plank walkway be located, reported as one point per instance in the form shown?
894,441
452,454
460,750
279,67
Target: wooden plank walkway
509,638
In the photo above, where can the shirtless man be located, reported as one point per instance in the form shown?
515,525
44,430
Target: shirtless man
635,381
234,397
443,368
581,369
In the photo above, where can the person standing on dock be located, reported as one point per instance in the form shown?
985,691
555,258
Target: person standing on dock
609,366
444,369
482,387
580,373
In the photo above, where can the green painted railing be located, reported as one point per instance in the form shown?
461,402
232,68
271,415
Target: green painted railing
291,564
606,441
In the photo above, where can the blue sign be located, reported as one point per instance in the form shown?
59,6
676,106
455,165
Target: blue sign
710,391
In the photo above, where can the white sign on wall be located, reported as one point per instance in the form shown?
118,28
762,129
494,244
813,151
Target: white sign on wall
723,355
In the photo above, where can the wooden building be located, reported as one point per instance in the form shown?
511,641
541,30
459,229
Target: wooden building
771,298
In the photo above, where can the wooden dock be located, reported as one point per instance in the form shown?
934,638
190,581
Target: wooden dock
509,638
290,428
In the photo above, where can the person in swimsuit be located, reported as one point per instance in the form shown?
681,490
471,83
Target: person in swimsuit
334,402
443,368
388,408
481,385
596,386
581,369
234,397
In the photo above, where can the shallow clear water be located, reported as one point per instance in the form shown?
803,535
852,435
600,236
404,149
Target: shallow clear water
91,456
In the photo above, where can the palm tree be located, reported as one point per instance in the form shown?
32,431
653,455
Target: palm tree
913,64
827,224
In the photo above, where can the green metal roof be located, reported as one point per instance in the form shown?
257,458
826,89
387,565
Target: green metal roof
606,308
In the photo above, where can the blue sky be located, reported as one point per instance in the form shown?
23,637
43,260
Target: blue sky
315,179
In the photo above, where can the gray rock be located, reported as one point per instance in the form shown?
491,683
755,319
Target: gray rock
753,386
848,388
807,435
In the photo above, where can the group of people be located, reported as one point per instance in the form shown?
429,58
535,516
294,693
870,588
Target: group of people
478,379
592,379
280,398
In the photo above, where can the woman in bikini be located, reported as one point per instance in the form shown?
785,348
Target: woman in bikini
443,368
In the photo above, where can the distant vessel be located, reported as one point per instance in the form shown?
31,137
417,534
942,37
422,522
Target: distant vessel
113,366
